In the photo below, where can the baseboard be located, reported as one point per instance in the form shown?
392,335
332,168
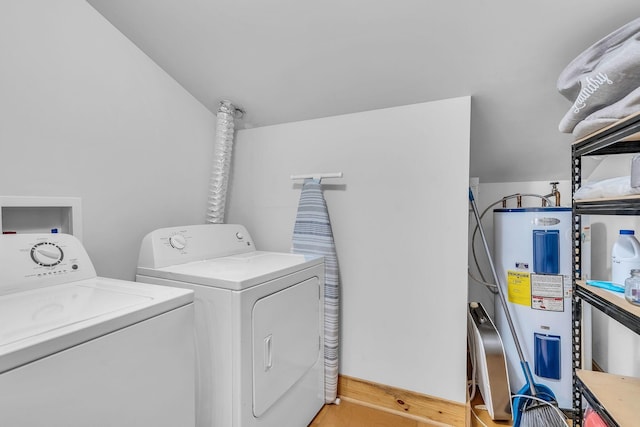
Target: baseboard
427,409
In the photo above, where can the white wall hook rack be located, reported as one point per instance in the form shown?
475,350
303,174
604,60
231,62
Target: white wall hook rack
319,176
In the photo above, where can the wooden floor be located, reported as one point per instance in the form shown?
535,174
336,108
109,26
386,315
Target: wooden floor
477,412
353,414
350,414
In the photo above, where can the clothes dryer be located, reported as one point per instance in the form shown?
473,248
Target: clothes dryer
259,323
79,350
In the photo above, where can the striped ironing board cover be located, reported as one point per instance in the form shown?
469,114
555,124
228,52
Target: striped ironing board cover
312,235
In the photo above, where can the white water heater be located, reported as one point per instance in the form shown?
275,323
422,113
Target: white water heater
532,256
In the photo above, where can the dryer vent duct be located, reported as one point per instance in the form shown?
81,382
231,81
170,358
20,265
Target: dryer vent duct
223,146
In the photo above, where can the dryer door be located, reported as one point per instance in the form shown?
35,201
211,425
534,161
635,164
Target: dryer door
286,341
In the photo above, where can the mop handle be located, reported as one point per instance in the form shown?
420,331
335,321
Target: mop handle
500,291
503,301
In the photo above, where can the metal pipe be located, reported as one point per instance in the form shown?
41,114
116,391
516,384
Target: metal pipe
223,146
554,192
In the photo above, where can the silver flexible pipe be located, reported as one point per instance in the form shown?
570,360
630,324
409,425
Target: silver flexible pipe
222,148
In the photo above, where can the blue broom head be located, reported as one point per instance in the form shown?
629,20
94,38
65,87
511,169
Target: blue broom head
521,401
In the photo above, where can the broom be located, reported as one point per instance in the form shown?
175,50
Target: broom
535,404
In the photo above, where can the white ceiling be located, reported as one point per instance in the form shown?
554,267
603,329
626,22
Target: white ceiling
288,60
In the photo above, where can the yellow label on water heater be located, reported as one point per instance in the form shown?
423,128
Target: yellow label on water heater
519,287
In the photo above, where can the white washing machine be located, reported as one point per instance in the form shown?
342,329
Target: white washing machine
79,350
259,323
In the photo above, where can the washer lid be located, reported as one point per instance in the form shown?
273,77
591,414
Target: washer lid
40,322
236,272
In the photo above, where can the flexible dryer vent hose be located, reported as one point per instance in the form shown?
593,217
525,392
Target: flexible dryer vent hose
221,162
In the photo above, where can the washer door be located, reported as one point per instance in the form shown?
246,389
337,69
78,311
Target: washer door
286,341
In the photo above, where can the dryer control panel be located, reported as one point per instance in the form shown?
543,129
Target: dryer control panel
178,245
37,260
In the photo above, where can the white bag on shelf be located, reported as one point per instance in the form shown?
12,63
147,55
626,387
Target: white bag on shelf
603,74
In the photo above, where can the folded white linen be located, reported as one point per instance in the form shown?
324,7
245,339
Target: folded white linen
611,187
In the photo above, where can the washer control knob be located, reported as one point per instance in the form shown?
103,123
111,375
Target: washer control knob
239,235
47,254
178,241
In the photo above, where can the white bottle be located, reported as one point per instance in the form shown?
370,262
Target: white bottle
625,256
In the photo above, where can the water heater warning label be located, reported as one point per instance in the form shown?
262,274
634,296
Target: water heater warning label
519,287
547,292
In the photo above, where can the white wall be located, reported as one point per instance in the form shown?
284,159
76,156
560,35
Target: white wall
84,113
400,225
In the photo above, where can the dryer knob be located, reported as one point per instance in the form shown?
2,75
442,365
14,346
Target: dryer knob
178,241
47,254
